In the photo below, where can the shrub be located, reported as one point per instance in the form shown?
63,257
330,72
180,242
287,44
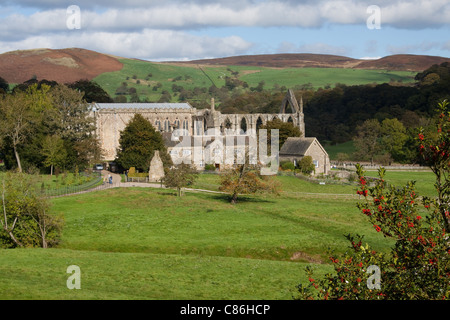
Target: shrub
306,165
287,166
418,266
210,167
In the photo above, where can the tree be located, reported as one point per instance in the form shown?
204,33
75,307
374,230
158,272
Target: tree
20,113
165,97
93,92
418,266
71,114
54,152
180,177
246,179
137,144
26,221
70,118
393,138
367,140
4,86
286,130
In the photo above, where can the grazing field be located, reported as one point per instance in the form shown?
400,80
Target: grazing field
347,148
144,76
143,243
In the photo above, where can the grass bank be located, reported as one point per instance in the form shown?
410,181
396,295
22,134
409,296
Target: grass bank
142,243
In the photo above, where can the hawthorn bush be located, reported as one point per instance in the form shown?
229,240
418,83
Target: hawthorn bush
418,265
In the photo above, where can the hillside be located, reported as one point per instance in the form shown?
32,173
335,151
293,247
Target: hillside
401,62
62,65
404,62
282,61
68,65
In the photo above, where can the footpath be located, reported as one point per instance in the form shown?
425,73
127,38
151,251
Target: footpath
117,183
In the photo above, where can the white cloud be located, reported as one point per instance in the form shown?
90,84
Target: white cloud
173,14
149,44
203,14
416,14
370,58
155,28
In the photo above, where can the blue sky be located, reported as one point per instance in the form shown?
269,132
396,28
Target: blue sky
195,29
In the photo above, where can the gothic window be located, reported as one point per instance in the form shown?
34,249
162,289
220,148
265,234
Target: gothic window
244,125
158,125
259,123
166,125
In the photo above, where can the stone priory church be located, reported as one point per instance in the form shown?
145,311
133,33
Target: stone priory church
112,118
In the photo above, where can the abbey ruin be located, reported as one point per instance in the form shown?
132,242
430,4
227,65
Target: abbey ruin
112,118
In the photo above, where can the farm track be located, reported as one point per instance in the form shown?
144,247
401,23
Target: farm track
117,183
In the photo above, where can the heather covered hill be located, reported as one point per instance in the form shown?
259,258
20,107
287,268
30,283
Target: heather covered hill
62,65
405,62
400,62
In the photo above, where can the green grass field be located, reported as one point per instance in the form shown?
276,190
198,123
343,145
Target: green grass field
322,77
333,150
204,77
142,243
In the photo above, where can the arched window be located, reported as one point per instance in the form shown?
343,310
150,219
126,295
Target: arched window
158,125
259,123
166,125
244,125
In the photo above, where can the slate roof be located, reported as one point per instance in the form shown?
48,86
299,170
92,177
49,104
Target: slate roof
296,146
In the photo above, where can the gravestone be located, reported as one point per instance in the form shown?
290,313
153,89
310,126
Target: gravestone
156,172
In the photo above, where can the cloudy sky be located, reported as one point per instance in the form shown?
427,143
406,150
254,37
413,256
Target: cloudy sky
185,30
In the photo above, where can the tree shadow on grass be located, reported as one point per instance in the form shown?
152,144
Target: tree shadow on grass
241,199
220,197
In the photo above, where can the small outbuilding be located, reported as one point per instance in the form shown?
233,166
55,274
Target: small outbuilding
294,149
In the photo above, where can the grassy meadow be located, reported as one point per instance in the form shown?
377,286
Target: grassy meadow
144,243
144,75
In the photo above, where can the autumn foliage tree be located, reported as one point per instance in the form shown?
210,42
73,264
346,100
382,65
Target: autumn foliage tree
246,179
418,266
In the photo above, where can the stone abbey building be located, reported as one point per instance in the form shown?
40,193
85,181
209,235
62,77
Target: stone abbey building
112,118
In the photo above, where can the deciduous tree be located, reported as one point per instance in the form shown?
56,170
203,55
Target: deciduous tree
246,179
25,218
367,140
20,114
180,177
54,152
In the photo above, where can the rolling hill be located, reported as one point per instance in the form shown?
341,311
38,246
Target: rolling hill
67,65
62,65
151,79
400,62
